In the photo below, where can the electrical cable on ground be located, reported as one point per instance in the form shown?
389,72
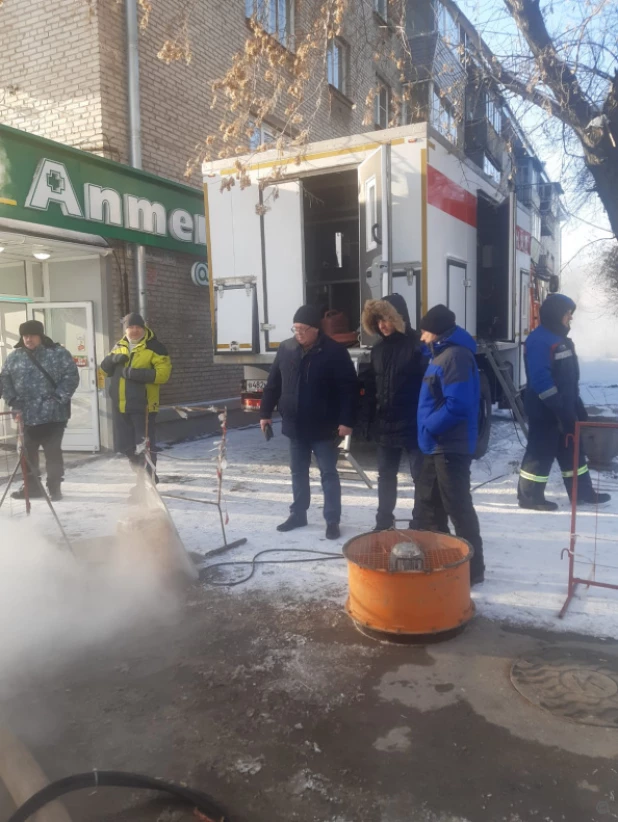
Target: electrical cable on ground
318,556
119,779
493,479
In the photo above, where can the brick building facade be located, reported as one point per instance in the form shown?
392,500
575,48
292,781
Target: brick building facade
64,77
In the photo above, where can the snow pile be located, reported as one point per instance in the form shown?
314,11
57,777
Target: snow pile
526,578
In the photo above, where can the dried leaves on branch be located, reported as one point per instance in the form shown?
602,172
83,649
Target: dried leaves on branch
278,82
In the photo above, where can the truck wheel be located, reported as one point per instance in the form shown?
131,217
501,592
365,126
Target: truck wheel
482,442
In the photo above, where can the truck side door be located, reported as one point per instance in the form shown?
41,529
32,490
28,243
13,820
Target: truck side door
375,227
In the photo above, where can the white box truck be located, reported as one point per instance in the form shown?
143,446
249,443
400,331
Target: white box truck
357,218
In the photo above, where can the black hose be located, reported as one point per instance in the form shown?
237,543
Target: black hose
316,556
118,779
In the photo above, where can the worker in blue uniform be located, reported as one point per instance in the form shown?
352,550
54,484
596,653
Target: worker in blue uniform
553,405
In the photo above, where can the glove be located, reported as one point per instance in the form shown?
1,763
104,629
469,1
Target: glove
120,359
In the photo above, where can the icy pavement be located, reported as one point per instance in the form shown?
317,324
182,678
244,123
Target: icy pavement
526,578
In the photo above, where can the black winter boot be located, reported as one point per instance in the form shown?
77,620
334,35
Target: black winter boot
541,505
55,493
586,495
333,531
531,496
34,492
292,522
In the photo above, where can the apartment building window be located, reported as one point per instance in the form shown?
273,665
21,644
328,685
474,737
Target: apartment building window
492,170
382,106
381,8
447,27
263,135
337,65
274,16
494,114
442,117
535,224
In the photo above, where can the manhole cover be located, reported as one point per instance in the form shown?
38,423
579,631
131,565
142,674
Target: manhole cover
574,683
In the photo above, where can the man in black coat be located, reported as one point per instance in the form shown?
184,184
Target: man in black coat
393,384
314,385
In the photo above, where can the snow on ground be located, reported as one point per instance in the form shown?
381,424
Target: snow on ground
526,578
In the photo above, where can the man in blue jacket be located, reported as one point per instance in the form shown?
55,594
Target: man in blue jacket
553,406
314,385
448,411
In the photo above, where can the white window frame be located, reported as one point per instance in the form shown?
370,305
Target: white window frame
337,65
379,107
442,117
371,212
262,135
269,13
447,27
491,169
494,113
535,224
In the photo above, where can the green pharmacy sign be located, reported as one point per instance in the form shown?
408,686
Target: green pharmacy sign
54,185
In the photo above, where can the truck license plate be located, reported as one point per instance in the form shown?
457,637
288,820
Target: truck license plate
254,386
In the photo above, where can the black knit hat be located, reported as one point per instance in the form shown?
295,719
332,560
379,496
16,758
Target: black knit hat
133,319
438,320
308,315
32,327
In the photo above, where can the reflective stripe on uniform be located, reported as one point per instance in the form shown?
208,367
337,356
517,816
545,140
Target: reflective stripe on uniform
532,477
580,472
545,395
562,355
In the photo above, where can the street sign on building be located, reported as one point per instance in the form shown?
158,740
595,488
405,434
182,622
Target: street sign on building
51,184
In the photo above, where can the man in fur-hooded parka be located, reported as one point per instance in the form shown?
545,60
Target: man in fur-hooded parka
393,385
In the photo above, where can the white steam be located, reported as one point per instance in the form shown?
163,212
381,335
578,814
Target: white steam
53,606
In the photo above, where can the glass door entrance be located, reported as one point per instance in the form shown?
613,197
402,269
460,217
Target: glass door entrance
72,325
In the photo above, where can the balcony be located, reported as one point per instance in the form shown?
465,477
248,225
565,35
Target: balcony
481,139
545,265
430,58
548,223
528,194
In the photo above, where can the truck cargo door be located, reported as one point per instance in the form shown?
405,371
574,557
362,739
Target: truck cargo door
283,259
236,318
407,283
457,290
235,257
375,241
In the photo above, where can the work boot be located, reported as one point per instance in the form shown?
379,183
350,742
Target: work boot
586,495
333,531
292,522
55,494
590,497
476,578
384,525
34,492
540,505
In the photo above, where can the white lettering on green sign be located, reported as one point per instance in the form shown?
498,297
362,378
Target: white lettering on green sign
52,184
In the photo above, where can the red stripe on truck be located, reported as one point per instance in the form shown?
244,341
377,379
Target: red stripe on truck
449,197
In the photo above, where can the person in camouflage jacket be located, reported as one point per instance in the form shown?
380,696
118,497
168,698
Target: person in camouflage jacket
43,399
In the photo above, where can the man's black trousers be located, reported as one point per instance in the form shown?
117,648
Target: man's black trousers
389,460
49,436
131,437
443,492
547,443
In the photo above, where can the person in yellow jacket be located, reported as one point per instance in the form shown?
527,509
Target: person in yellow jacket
138,364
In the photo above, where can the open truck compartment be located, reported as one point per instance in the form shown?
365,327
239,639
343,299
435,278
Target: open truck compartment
357,218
